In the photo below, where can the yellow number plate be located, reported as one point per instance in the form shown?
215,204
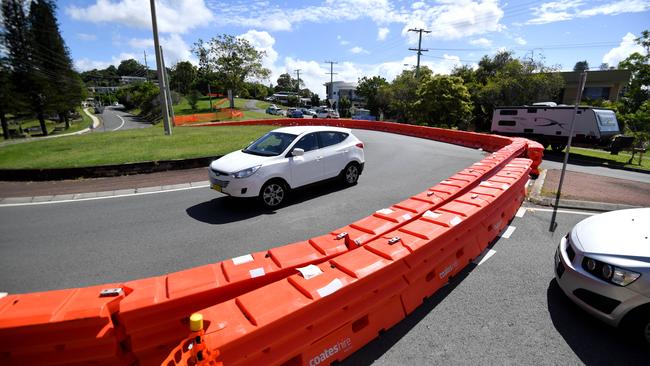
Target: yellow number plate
216,187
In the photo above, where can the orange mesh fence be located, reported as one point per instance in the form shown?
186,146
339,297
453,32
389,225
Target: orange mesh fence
223,114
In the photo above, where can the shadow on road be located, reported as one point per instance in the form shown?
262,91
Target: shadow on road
593,341
225,209
582,160
380,345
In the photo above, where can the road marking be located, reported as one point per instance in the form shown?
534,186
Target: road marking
563,211
102,198
121,119
521,211
506,234
484,257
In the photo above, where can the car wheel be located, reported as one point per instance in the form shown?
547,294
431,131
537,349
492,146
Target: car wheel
558,147
637,324
350,174
273,193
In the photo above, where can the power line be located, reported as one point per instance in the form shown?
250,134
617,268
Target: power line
298,73
419,49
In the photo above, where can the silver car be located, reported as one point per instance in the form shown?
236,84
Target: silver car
603,265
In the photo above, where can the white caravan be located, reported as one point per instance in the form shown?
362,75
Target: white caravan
550,125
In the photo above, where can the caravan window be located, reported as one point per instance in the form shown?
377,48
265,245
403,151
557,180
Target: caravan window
508,112
507,123
606,120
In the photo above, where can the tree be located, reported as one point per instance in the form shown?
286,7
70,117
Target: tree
402,94
193,99
15,39
60,87
637,91
131,67
6,96
233,60
581,66
315,100
604,66
368,88
287,84
443,101
182,76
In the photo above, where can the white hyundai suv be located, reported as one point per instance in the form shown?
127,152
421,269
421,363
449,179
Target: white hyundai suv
288,158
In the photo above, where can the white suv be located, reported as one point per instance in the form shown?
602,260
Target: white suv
288,158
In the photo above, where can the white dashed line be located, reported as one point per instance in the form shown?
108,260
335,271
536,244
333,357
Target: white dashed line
562,211
521,211
485,256
506,234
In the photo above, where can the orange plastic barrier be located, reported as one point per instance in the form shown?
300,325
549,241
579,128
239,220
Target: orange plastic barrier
326,312
149,317
222,114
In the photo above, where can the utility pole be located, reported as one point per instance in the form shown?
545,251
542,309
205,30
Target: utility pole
419,49
161,73
298,73
146,66
331,74
581,88
167,87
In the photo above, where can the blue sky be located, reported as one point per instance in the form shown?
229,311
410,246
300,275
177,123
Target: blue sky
365,37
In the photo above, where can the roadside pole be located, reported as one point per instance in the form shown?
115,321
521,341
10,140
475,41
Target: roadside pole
164,108
167,87
581,86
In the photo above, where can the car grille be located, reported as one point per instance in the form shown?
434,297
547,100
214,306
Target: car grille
569,249
218,173
596,301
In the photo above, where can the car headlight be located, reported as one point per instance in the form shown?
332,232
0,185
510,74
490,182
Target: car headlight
246,172
607,272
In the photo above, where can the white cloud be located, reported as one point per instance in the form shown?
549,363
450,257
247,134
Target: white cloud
382,33
569,9
357,50
456,19
626,48
87,37
520,41
483,42
174,49
263,41
173,16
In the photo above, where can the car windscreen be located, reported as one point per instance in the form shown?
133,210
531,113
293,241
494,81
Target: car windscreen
271,144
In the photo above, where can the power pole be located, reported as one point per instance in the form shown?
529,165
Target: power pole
146,67
161,73
419,49
167,87
298,73
331,74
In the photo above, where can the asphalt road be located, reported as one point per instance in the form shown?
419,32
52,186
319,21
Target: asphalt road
115,118
93,242
507,311
554,161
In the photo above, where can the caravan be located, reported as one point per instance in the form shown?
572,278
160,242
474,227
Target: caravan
550,125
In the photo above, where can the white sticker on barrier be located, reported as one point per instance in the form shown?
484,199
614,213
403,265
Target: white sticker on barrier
505,186
310,271
257,272
242,259
385,211
455,221
406,217
433,215
486,183
521,211
331,288
3,294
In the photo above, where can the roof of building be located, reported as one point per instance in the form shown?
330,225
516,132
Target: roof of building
623,76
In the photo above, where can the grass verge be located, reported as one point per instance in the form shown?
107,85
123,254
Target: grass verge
128,146
605,158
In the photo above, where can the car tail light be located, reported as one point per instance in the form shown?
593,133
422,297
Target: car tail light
360,145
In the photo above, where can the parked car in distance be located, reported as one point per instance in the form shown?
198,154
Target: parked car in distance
287,158
603,265
308,113
272,109
294,113
326,113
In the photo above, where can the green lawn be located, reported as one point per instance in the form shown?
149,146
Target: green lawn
53,126
128,146
604,157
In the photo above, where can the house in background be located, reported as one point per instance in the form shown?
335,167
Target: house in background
601,84
339,89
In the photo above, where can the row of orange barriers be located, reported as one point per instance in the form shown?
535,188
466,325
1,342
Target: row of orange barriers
142,321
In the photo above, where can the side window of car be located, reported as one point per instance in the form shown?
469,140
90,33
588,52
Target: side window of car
331,138
308,142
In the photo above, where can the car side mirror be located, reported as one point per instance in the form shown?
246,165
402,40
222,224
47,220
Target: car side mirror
298,152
